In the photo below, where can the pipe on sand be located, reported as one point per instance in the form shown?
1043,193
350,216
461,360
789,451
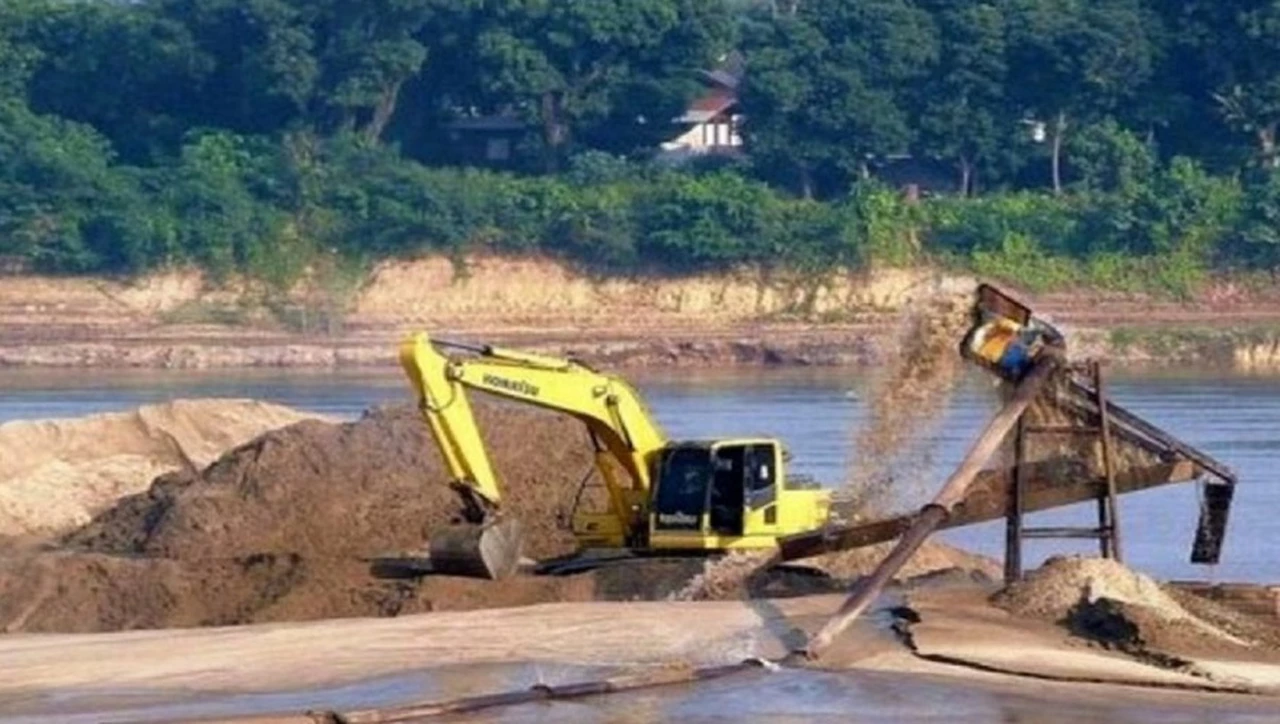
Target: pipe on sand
936,512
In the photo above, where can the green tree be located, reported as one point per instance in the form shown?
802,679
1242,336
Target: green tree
1108,158
961,109
1239,50
569,66
64,206
367,51
262,68
825,80
661,79
1258,238
123,69
1071,61
18,57
224,223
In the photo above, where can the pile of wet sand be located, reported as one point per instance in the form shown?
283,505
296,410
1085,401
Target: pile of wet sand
744,574
1104,602
56,474
284,527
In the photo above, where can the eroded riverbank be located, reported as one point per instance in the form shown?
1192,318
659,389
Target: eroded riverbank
179,320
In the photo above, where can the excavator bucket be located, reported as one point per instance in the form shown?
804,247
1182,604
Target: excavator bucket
491,550
1006,337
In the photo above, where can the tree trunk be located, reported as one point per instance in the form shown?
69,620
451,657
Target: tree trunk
966,176
383,111
806,183
553,132
1059,129
1267,145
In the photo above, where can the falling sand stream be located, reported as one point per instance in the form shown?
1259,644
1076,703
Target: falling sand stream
887,467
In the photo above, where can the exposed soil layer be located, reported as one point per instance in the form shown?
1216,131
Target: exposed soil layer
283,527
178,319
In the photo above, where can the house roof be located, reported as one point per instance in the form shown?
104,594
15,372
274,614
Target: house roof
722,78
708,106
728,72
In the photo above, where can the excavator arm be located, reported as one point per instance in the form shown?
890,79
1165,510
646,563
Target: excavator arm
619,423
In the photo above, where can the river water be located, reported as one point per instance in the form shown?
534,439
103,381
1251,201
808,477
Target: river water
816,412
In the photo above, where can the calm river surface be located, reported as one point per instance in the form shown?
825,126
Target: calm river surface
816,412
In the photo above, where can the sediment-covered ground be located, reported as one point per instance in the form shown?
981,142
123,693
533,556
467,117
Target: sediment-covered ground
283,528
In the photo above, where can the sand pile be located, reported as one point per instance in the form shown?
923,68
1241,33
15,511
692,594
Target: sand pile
1104,601
366,488
282,529
932,557
1055,588
56,474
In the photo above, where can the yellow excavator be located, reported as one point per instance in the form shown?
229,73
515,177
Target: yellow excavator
665,497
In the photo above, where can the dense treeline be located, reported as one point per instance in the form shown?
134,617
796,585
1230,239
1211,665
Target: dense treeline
1126,143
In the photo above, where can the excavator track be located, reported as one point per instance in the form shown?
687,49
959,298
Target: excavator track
623,575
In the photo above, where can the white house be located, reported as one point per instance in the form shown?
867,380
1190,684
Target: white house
711,122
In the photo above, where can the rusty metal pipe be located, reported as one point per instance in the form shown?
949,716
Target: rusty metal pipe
937,511
664,676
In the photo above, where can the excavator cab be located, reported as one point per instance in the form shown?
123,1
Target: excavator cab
704,486
728,494
1006,337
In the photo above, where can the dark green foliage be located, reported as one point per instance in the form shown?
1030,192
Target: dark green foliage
273,137
1258,243
825,84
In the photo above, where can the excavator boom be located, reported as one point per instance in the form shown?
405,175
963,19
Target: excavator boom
618,422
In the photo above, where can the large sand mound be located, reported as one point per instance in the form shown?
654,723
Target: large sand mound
56,474
284,528
371,487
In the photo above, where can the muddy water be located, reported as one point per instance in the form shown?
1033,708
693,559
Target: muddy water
1235,418
785,697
